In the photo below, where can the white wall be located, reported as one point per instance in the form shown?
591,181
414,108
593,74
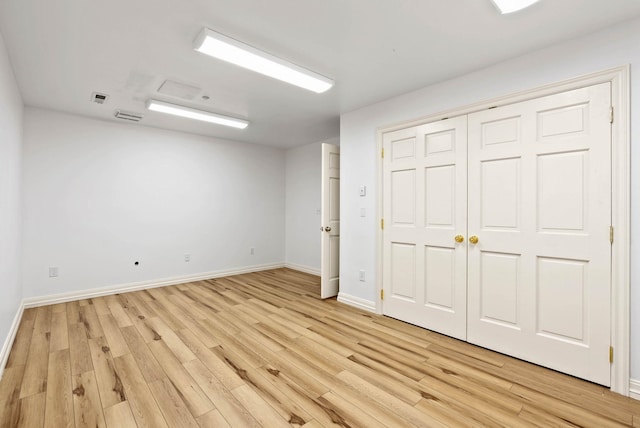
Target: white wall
303,200
99,196
11,111
608,48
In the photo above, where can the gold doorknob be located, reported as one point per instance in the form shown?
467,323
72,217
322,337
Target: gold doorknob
459,239
474,239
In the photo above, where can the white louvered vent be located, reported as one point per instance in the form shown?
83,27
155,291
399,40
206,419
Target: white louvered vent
127,115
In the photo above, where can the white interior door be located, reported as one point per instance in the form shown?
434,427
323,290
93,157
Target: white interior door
540,205
425,208
330,217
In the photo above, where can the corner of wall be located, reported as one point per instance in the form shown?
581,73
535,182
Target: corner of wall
634,389
11,337
357,302
11,169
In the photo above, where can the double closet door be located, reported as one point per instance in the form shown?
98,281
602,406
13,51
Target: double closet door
497,229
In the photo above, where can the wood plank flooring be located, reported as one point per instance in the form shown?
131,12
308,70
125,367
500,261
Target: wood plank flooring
261,349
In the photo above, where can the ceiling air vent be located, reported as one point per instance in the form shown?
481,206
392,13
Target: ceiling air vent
99,98
127,115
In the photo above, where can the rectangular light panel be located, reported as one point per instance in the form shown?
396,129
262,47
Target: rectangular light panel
227,49
191,113
510,6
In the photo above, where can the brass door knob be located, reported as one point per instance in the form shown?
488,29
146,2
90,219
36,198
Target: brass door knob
327,229
474,239
459,239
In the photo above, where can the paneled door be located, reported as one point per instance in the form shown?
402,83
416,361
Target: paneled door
497,229
425,209
330,218
540,209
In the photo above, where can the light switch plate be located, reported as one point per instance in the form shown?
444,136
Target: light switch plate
363,190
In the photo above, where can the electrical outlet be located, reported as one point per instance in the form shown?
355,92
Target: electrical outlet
362,275
187,258
253,251
53,271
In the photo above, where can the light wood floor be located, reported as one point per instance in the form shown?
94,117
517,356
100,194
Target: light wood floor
260,350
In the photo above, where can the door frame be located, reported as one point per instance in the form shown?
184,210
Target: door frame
620,198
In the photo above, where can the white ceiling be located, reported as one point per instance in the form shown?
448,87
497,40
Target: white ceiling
64,50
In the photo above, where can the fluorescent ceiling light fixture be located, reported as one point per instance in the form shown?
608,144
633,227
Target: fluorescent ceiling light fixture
508,6
192,113
227,49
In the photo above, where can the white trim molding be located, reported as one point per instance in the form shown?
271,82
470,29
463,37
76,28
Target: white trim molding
364,304
620,195
634,389
621,222
125,288
301,268
11,337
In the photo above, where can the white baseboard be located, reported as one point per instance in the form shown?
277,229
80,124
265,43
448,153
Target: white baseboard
301,268
634,389
363,304
32,302
8,343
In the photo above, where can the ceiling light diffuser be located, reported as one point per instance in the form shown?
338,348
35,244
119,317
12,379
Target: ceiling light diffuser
227,49
508,6
192,113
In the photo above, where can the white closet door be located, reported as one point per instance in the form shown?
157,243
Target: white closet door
540,205
425,207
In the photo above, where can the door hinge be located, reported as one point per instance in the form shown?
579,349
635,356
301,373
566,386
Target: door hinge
382,294
611,114
611,234
382,223
382,153
611,354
